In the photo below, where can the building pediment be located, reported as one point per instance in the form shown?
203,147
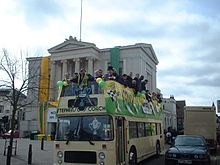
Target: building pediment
71,44
150,51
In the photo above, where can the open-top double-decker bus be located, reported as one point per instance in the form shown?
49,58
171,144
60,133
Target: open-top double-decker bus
114,127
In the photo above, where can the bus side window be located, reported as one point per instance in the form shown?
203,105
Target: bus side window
147,129
140,129
132,130
159,129
153,128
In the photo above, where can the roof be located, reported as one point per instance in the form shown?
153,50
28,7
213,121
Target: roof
181,103
196,136
73,44
143,46
7,91
4,92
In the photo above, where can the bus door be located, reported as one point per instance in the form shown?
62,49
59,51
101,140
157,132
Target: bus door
120,141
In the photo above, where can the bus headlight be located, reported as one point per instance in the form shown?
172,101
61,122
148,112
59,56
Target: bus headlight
59,154
101,163
101,155
60,161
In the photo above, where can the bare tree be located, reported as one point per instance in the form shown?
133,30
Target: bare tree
16,79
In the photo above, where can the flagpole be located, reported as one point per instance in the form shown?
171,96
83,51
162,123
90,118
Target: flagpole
80,23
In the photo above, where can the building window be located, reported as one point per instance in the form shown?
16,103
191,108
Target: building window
149,84
7,111
23,116
1,108
149,77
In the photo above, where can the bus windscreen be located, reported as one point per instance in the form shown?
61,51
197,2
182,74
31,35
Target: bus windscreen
85,128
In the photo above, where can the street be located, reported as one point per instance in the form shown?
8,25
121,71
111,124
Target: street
215,160
160,161
45,157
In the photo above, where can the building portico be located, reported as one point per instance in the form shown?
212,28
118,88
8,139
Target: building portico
69,57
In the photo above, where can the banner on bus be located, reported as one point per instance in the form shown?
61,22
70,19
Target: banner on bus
121,100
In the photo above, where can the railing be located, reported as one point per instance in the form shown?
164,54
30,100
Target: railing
73,89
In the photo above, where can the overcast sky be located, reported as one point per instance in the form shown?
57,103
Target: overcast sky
185,35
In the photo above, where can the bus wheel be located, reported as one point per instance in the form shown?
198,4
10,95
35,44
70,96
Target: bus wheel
158,149
132,157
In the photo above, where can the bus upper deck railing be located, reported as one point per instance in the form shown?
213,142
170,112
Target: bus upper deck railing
73,89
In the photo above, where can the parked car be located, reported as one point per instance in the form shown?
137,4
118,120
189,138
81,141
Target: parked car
33,133
188,149
8,134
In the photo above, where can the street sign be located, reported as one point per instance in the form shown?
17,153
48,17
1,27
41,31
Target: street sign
51,115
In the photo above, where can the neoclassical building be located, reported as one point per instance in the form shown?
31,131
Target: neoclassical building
72,55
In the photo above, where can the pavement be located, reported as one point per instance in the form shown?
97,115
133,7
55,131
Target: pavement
39,157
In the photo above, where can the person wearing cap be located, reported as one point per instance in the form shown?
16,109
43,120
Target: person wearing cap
111,75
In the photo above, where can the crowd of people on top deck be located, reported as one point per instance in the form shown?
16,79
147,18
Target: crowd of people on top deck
138,83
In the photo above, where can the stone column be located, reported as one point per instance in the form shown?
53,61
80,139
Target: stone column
90,65
77,69
124,69
106,66
58,71
64,68
52,80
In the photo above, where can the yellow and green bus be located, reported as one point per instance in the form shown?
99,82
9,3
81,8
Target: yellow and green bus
112,127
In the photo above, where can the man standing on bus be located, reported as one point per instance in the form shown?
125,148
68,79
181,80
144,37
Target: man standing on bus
83,78
111,75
